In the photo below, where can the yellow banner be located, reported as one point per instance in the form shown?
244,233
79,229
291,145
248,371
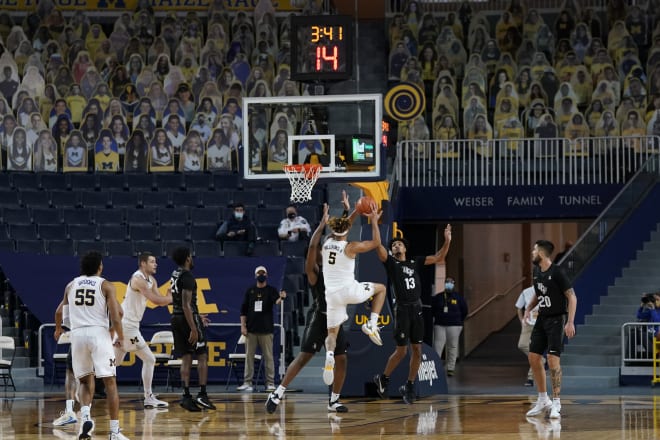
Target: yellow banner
157,5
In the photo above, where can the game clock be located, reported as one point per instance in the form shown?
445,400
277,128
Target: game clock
321,47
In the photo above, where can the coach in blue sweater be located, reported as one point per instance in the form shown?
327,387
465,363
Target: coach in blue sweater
449,312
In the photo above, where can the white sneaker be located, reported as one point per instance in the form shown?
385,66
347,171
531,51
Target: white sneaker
373,332
270,387
65,418
86,429
245,387
117,436
152,402
329,370
541,407
555,411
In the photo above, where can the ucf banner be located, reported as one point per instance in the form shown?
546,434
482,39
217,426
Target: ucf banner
157,5
221,285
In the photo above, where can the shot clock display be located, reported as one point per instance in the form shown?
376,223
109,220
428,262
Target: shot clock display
321,47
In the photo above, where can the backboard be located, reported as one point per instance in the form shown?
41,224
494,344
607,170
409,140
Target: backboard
340,132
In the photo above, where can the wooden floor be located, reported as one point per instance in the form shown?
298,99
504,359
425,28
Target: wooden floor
301,415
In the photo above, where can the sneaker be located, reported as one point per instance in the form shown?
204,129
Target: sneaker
65,418
540,407
329,370
272,402
373,332
337,406
381,386
117,436
86,429
245,387
542,427
335,423
203,401
270,387
408,393
152,402
189,404
529,383
555,410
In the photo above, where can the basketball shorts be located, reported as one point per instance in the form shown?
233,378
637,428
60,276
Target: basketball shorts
409,324
315,332
548,334
338,299
92,352
133,340
181,333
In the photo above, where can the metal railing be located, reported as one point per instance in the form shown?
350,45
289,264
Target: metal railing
522,162
637,339
515,287
443,6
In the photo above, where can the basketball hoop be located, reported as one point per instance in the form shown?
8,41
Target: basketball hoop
302,179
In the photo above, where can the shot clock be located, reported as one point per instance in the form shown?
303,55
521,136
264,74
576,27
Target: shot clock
321,47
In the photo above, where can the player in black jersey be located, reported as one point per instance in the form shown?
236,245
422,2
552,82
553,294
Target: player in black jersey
405,284
557,303
188,329
316,329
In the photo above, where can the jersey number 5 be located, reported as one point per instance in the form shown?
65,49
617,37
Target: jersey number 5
332,257
84,297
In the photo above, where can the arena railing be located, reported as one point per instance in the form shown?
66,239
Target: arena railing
637,340
444,6
522,162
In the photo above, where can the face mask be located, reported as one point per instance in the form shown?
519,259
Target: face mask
238,215
261,278
291,215
449,286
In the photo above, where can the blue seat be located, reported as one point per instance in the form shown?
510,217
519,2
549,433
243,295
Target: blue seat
141,216
113,182
9,198
203,231
198,181
91,199
84,246
204,215
207,248
152,200
268,231
143,232
234,248
7,245
169,246
173,216
35,199
216,198
52,232
174,232
16,216
23,232
46,216
25,181
266,249
294,248
64,199
277,198
54,181
82,232
30,247
269,215
155,247
249,197
124,199
83,182
143,182
104,216
185,199
119,248
169,182
60,247
226,181
76,216
112,232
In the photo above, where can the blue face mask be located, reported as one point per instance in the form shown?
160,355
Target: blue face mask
262,278
449,286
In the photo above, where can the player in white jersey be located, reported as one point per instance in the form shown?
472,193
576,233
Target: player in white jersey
93,307
141,287
342,289
68,416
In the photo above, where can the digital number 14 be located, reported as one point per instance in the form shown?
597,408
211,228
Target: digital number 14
323,55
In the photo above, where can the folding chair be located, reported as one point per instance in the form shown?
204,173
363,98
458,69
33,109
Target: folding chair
60,355
237,360
162,341
7,360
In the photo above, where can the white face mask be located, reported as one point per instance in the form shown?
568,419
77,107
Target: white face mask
238,215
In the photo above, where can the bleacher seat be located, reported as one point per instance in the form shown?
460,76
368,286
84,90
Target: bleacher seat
16,216
52,232
294,265
215,198
198,181
311,214
294,248
82,232
25,181
268,231
141,216
234,248
23,232
46,216
277,198
54,181
30,247
64,199
124,199
112,182
5,180
207,248
155,247
249,197
35,199
60,247
143,232
156,199
91,199
84,246
269,215
169,182
187,199
170,245
119,248
226,181
112,232
141,182
266,249
76,216
7,245
203,231
204,215
83,182
175,216
174,232
103,216
9,198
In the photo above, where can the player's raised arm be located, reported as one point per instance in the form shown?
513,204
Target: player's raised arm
439,257
360,247
311,267
347,206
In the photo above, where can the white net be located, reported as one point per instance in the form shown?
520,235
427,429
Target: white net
302,179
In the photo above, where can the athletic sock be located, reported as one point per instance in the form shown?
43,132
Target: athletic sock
202,390
186,391
374,319
280,391
69,406
114,426
543,396
334,397
84,413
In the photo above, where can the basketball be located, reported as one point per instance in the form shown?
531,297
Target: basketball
363,205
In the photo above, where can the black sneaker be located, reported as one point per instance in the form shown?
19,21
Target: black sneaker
272,402
381,386
408,393
203,401
189,404
337,406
